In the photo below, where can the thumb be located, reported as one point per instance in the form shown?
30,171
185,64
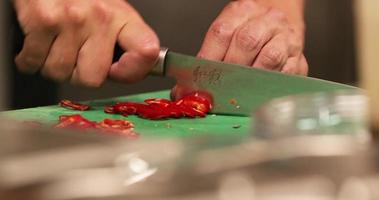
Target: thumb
141,47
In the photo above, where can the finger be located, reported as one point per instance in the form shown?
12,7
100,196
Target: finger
220,33
273,55
296,66
94,60
62,56
35,50
174,93
142,49
303,66
250,38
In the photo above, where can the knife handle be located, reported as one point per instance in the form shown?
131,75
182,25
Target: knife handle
159,67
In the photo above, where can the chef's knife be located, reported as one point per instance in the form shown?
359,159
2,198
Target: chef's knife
236,89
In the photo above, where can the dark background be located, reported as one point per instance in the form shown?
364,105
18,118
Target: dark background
181,26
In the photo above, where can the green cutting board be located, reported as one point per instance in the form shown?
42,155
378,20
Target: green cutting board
212,125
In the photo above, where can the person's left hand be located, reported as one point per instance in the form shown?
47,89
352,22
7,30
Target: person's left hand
252,34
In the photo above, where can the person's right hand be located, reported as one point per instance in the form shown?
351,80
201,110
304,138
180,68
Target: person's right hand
75,39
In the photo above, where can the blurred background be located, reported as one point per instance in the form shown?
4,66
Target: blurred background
181,26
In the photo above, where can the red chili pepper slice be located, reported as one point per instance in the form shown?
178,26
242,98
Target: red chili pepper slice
175,111
153,114
120,127
159,102
76,117
127,107
73,105
196,101
191,112
109,110
75,122
115,123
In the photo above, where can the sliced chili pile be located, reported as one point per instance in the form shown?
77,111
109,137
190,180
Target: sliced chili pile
73,105
191,106
78,122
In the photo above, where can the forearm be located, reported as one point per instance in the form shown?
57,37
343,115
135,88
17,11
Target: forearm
294,9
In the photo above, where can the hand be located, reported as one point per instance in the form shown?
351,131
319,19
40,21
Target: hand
75,39
249,33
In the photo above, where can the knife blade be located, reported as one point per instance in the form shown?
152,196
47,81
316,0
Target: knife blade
236,89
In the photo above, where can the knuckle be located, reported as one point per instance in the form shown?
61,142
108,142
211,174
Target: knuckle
31,61
102,10
23,18
148,51
21,65
297,45
278,15
248,4
233,5
272,57
47,19
248,40
222,32
238,5
74,14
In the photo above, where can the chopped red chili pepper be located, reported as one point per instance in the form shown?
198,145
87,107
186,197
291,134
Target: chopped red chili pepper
159,102
175,111
194,105
127,107
109,110
191,112
152,113
120,127
74,122
73,105
197,102
115,123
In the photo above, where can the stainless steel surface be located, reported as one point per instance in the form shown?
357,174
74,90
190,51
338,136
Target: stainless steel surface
159,69
238,89
338,113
